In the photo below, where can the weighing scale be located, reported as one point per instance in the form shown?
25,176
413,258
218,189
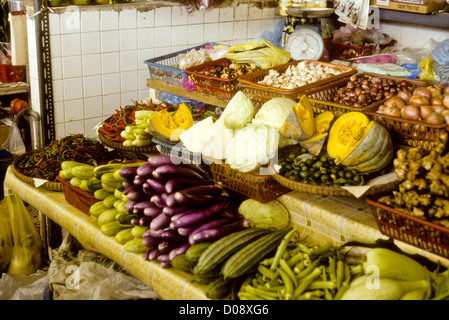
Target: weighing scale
301,34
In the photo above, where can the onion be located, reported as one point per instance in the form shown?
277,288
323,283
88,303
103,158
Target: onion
446,100
395,101
425,111
445,90
435,91
438,108
392,111
435,118
423,91
436,101
410,112
445,112
418,100
404,95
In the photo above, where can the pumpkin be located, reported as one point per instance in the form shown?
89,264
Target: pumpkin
299,124
16,105
171,126
322,123
357,142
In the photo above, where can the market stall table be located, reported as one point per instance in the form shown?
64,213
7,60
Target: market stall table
322,218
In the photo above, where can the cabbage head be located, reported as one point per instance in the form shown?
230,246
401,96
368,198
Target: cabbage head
274,112
271,214
238,112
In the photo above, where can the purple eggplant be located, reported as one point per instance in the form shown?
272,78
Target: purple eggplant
135,221
146,254
177,251
211,190
127,183
154,254
169,211
181,214
139,207
159,222
148,189
196,168
163,258
165,264
201,215
157,200
165,246
152,212
129,205
152,233
144,221
150,242
172,235
185,231
137,195
159,160
157,186
213,234
176,184
132,187
208,225
164,196
144,170
128,172
171,201
171,170
159,177
139,180
194,201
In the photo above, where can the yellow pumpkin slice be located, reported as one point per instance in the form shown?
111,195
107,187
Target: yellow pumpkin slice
171,126
304,115
359,143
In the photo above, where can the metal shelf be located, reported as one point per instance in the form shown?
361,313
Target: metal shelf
7,90
440,20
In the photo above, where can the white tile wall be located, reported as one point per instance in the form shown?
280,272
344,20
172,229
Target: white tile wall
98,56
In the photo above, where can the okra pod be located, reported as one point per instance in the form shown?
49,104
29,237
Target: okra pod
295,259
288,271
288,283
266,272
308,269
306,281
340,273
281,248
267,295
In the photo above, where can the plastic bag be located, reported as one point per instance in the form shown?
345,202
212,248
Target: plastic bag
261,52
14,143
427,71
6,245
440,53
26,254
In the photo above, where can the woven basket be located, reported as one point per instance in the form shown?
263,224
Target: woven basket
78,198
417,232
152,148
15,168
260,94
321,97
262,188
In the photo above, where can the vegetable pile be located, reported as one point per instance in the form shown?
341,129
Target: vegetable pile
45,162
424,182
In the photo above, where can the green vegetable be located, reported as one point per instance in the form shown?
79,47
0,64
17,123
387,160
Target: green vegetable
137,231
238,112
124,235
106,216
102,169
135,245
84,172
97,208
181,262
265,215
218,288
110,228
102,194
193,253
109,201
75,182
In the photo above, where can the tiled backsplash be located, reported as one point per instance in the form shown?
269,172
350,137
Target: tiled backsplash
97,56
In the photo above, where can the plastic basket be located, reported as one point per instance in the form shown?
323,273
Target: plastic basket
260,94
10,73
262,188
177,150
222,88
409,229
78,198
346,51
322,96
165,68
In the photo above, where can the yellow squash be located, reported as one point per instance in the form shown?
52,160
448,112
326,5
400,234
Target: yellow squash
171,126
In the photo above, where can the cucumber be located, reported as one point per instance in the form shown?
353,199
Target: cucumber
66,174
83,185
102,194
109,201
97,208
93,184
137,231
194,252
109,180
75,182
125,219
124,235
84,172
119,204
106,216
111,228
181,262
135,245
70,163
110,168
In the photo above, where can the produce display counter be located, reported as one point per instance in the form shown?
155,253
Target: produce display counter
322,218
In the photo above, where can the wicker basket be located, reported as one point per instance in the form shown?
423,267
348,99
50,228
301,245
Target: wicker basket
222,88
343,51
262,188
410,132
152,148
409,229
260,94
78,198
321,97
15,168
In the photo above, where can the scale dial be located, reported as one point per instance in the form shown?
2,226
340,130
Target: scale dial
305,44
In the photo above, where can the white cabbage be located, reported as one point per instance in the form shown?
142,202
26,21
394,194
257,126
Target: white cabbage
238,112
195,137
274,112
252,146
217,140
